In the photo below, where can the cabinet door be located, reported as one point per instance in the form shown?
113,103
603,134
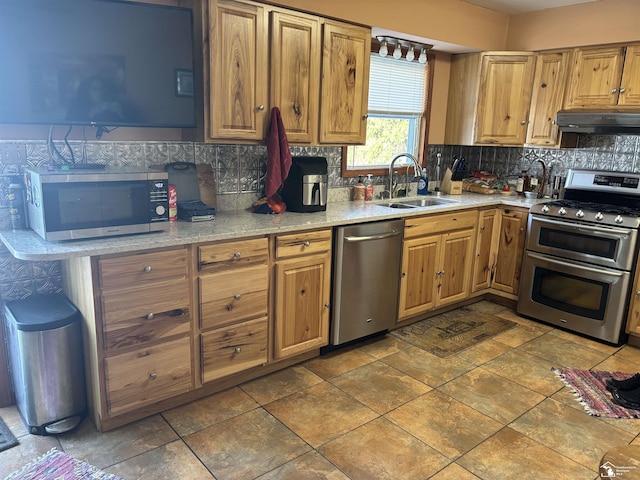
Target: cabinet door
510,251
295,73
420,260
238,59
345,83
486,249
630,85
454,276
548,94
596,77
302,304
504,99
633,321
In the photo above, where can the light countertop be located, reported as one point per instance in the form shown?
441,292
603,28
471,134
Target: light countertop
27,245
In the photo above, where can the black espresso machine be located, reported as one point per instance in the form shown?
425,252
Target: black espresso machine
305,188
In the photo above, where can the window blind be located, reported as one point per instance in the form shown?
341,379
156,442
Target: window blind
396,86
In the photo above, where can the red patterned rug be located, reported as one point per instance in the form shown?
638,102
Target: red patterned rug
56,465
590,390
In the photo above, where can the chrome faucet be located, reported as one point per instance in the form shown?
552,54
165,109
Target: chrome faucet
416,166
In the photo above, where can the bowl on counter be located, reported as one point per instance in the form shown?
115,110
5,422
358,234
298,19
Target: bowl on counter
531,194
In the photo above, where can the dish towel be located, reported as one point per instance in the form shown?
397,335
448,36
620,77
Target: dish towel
278,155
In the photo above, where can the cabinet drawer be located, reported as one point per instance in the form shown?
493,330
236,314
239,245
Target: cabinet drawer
415,227
228,297
303,243
231,255
142,268
233,349
148,375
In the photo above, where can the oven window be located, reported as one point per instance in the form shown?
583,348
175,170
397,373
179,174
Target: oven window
576,295
577,242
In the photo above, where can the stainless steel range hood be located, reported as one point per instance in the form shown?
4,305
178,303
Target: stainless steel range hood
603,122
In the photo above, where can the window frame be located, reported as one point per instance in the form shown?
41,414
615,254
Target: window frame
424,125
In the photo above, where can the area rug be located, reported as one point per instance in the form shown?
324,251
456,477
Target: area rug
590,390
56,465
452,332
7,439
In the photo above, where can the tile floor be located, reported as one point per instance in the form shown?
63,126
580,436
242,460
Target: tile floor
382,410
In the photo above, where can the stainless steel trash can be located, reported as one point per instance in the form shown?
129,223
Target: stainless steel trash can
45,353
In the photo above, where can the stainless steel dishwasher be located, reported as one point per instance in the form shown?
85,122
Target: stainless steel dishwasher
366,266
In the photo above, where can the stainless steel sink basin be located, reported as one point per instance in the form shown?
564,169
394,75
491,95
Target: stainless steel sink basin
420,202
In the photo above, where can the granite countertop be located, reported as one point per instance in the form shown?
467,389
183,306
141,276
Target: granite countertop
27,245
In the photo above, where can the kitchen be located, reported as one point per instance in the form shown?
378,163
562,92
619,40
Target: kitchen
603,149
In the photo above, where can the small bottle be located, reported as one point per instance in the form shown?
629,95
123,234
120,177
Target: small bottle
423,183
358,190
368,188
520,184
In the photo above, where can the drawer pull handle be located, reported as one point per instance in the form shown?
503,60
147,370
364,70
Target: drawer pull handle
150,316
327,305
238,349
237,255
152,376
147,269
307,244
237,296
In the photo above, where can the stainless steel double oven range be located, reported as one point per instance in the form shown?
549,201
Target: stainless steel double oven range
580,255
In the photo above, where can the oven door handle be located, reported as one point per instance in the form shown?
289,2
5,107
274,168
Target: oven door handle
581,266
590,229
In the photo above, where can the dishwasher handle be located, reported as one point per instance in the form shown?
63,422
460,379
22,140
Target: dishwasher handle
366,238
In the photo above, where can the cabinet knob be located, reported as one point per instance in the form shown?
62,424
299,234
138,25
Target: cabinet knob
614,90
482,229
327,305
307,244
152,376
236,255
522,229
147,269
261,107
364,117
638,293
622,89
150,316
523,122
238,349
237,296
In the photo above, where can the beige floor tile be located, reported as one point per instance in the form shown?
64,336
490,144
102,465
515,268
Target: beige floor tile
454,472
453,433
527,370
587,342
526,322
320,413
570,432
487,307
12,419
338,362
168,462
428,368
108,448
509,455
630,354
246,446
493,395
30,448
203,413
379,386
380,450
280,384
483,352
381,347
518,335
562,352
310,466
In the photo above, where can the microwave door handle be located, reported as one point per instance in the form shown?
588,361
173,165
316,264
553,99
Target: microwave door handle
581,266
594,229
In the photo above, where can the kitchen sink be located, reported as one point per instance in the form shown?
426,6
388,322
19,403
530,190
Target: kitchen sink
420,202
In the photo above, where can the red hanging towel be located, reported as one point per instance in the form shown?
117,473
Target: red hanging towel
278,155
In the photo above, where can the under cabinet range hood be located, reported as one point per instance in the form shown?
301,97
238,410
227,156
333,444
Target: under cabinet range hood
610,122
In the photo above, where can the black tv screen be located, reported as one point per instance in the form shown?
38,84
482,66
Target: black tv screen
96,62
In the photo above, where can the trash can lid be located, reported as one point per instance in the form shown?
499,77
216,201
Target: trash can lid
42,312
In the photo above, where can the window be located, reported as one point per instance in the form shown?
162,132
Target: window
395,113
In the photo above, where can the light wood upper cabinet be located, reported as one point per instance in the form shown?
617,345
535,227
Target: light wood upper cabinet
295,73
605,77
345,81
489,98
238,62
549,85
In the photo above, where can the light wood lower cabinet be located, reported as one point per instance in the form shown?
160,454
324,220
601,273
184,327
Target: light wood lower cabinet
437,261
302,290
486,249
513,231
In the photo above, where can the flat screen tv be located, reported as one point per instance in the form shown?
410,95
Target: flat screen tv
96,62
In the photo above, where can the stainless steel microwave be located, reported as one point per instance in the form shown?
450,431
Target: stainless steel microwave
88,203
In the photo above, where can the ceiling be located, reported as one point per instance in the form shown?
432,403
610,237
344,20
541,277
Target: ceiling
511,7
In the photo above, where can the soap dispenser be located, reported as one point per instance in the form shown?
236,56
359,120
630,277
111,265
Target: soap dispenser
423,183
